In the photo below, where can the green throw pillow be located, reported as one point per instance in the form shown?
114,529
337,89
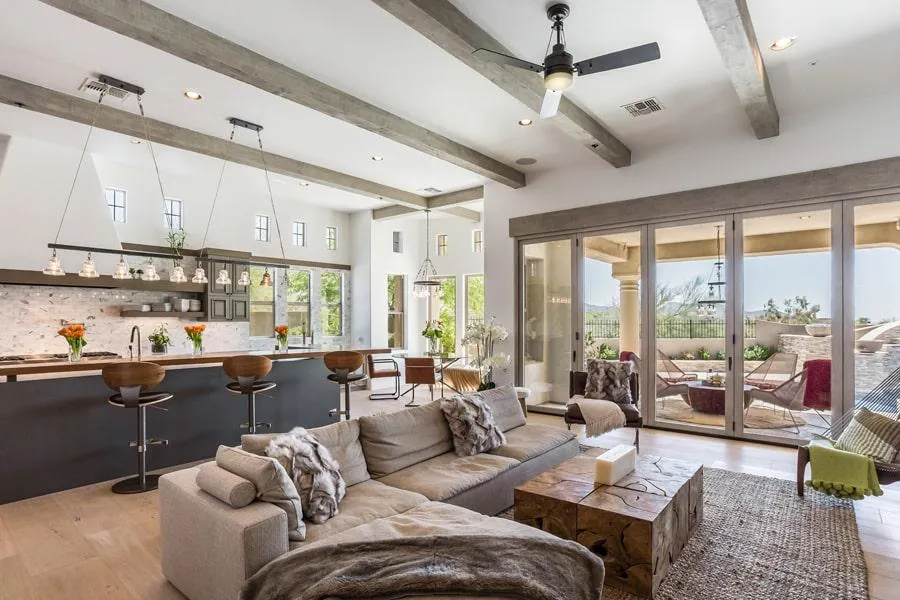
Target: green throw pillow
872,435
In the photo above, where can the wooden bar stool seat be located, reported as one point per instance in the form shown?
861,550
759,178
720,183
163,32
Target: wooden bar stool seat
248,372
132,383
342,365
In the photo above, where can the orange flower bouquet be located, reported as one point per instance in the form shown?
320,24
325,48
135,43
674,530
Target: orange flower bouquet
74,335
195,334
281,334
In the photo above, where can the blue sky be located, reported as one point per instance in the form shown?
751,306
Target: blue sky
779,277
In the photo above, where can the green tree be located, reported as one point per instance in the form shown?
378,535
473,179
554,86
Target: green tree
679,301
475,297
795,310
262,304
332,300
298,299
447,313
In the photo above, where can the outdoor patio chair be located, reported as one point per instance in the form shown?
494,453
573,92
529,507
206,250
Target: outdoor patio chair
774,371
789,396
669,372
883,399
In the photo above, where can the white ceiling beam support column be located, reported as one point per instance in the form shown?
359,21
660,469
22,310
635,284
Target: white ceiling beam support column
455,198
445,25
56,104
145,23
731,28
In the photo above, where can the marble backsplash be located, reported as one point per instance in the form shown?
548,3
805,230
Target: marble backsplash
33,314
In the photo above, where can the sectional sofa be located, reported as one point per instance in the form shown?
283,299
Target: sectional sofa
392,463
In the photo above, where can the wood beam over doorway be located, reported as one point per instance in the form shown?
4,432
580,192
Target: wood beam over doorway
56,104
145,23
732,29
445,25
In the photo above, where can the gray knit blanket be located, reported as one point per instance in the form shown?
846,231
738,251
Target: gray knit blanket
468,566
315,473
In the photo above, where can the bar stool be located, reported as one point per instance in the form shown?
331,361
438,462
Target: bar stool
247,373
342,364
393,371
131,382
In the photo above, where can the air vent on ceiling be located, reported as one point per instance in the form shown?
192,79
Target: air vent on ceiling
643,107
431,190
93,86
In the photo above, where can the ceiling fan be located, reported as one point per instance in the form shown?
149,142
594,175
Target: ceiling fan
559,68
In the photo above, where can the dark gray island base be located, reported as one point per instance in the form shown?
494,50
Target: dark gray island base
59,433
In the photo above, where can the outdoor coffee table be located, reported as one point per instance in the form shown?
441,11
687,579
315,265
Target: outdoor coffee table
638,526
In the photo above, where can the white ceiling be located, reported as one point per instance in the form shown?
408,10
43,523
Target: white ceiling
359,48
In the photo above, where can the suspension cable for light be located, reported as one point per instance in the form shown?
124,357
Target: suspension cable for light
200,273
426,282
266,278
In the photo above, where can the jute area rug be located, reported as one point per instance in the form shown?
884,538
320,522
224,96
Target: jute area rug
757,416
759,541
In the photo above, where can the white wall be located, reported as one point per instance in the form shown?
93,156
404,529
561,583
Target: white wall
862,131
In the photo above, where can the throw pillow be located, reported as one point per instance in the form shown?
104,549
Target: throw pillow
472,424
316,475
609,380
872,435
272,484
505,406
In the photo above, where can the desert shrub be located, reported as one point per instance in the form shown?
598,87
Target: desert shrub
758,352
703,354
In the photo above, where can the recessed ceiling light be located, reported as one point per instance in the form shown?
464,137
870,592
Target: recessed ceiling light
526,122
805,217
304,184
377,158
782,43
525,161
135,141
192,95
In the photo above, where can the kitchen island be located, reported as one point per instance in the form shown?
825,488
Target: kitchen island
57,430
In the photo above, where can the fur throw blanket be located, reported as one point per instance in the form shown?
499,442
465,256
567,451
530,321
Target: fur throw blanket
472,424
315,473
609,380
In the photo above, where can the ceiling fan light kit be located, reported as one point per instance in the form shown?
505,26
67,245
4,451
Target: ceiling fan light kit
559,67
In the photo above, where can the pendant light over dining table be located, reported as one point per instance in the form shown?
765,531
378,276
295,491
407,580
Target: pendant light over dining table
426,282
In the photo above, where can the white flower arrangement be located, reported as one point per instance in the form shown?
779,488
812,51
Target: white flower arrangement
483,336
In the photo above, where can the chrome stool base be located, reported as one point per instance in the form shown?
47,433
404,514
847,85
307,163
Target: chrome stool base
133,485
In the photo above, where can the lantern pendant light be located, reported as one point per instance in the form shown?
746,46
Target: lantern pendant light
88,268
54,266
223,278
266,280
426,282
244,279
150,273
121,271
178,275
199,276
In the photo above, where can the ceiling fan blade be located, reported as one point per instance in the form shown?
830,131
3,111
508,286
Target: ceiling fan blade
550,105
505,59
617,60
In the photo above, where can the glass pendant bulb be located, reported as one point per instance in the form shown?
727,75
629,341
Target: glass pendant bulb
54,266
150,273
199,276
244,279
223,278
121,271
88,268
266,280
178,275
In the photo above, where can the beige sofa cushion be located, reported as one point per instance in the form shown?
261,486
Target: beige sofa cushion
447,475
233,490
363,503
272,482
397,440
505,406
341,439
525,442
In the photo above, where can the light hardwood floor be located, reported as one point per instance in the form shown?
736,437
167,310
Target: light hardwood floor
89,543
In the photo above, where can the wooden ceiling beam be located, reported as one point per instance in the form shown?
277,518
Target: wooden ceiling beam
145,23
445,25
732,29
395,212
56,104
456,198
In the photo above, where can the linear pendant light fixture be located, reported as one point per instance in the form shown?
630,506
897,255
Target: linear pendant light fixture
426,282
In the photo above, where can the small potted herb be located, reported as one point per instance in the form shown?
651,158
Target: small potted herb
159,340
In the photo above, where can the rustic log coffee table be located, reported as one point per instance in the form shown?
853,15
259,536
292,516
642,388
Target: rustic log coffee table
638,526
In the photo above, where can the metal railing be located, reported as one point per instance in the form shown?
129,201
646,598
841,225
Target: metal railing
670,328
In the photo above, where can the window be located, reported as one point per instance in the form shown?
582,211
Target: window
299,233
115,200
331,238
476,241
332,302
261,228
396,297
442,307
442,244
398,242
172,216
298,302
262,303
474,305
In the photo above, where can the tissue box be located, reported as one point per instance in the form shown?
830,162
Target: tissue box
614,464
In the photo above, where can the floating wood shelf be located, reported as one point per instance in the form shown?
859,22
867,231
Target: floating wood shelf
17,277
162,313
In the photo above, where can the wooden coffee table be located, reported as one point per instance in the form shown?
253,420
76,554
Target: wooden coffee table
638,526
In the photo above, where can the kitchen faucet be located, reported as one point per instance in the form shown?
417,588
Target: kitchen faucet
134,330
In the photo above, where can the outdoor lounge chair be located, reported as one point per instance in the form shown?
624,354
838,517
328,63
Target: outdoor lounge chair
789,396
669,372
774,371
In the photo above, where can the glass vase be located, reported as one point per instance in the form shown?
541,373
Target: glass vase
434,346
75,353
196,347
283,344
